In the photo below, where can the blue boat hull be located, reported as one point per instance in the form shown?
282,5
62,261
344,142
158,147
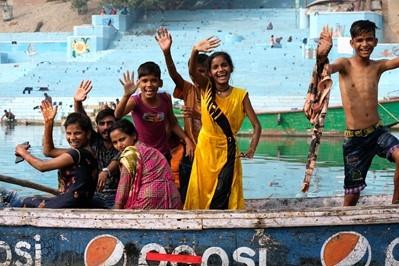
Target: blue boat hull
366,235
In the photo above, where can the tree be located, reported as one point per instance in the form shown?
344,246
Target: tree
80,6
160,4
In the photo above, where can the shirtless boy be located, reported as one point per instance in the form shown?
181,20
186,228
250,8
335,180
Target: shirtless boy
365,136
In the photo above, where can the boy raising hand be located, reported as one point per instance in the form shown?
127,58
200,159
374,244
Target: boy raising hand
151,111
365,136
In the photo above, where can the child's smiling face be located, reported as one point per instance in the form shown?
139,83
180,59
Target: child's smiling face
149,85
220,70
364,44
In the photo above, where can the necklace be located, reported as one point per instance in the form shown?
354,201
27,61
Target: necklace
222,91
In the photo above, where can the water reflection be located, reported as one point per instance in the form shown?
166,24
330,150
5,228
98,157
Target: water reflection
279,165
8,126
276,171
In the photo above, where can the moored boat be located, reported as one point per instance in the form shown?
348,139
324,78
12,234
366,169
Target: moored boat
270,232
294,123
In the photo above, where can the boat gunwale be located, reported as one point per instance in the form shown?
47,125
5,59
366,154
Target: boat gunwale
393,99
200,219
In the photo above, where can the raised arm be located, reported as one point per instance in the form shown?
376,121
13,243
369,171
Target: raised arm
175,128
164,40
204,46
324,47
325,43
390,64
49,112
59,162
81,95
126,104
249,110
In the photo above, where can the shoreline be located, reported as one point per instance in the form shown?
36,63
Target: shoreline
269,133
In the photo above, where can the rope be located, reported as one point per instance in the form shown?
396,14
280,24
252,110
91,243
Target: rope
392,115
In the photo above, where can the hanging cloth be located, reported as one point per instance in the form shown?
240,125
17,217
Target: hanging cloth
315,108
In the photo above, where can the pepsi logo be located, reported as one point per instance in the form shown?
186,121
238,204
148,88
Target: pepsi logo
104,250
346,248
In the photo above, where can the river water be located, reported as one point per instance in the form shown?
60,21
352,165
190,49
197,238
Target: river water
276,171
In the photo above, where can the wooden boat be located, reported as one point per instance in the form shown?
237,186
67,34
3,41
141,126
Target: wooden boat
294,123
270,232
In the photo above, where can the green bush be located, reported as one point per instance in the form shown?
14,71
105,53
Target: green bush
80,6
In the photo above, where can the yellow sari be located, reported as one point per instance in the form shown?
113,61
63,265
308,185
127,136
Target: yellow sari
217,153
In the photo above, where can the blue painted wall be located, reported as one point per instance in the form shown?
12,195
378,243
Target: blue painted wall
342,21
3,58
120,22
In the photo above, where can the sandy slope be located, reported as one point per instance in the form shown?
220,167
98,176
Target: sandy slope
59,16
55,15
391,18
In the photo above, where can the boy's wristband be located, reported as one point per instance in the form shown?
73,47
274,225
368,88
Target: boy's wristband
106,170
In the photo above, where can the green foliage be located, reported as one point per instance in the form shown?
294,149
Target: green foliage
80,6
147,4
78,3
155,4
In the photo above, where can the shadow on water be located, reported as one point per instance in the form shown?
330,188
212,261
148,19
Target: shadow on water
295,149
276,171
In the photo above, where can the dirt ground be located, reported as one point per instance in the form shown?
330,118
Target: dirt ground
55,16
391,19
59,16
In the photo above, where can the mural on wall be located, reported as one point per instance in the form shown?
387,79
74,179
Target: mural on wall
387,51
80,46
338,31
395,50
108,21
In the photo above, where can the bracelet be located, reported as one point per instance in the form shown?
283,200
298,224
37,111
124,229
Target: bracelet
106,170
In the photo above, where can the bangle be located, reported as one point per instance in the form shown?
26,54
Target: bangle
106,170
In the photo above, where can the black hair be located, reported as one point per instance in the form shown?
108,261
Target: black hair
227,57
224,55
104,113
202,59
125,126
362,26
82,120
149,68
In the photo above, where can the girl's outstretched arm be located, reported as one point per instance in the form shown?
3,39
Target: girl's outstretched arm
249,110
62,161
49,112
204,46
81,95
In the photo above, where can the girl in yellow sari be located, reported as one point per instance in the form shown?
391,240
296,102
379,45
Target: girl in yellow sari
216,176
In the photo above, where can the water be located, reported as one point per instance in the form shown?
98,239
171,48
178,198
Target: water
276,171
